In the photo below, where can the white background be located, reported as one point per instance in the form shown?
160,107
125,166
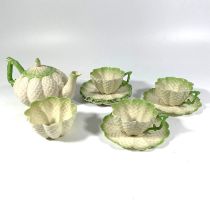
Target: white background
153,38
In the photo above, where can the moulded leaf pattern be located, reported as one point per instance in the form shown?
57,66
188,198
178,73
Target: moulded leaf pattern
113,132
52,116
173,91
183,109
135,115
106,79
91,94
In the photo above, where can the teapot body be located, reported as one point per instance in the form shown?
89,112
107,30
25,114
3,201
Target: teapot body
40,81
37,88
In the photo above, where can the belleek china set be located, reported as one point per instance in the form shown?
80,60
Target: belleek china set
137,124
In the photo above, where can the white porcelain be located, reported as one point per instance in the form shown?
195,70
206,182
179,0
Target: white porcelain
40,81
173,91
108,80
135,115
52,117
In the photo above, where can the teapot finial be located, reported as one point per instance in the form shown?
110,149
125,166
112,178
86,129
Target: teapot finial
37,62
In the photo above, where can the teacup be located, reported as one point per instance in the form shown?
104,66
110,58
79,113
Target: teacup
136,116
173,91
108,80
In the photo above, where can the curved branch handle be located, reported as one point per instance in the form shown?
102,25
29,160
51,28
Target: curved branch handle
162,118
129,76
12,62
191,99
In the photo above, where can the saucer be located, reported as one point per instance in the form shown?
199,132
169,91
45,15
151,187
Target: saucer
91,94
112,130
183,109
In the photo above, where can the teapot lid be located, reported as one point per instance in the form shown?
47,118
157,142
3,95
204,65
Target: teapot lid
38,70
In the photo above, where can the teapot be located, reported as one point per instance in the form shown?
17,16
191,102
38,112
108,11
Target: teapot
40,81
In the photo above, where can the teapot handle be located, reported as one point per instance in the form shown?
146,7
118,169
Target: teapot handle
10,64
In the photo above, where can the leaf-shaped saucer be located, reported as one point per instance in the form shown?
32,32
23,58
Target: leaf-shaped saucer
135,124
106,86
91,94
112,130
183,109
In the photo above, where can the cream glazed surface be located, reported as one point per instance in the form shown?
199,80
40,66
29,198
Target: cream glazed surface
29,90
41,81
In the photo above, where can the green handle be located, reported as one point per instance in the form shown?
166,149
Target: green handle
10,64
129,76
162,118
194,95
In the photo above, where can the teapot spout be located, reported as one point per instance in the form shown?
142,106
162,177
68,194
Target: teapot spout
70,86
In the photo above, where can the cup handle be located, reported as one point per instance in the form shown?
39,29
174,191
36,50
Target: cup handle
162,118
128,74
194,95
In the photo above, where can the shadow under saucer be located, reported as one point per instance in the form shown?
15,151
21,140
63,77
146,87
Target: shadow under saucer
205,100
86,124
176,128
139,87
77,97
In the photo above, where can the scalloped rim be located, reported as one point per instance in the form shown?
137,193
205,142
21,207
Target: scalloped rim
135,101
45,71
166,132
104,102
62,100
183,81
110,69
173,113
